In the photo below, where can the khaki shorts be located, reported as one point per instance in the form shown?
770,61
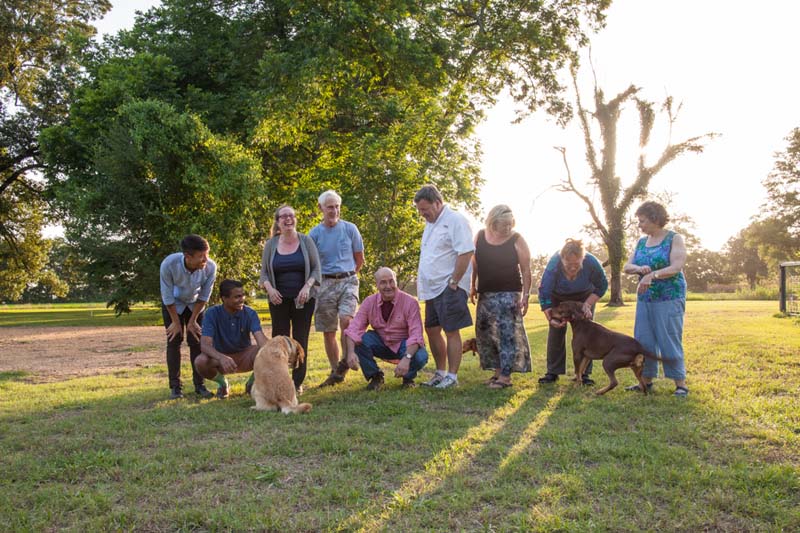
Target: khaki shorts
335,298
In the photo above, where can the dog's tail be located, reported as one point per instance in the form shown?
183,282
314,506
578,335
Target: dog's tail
650,355
297,409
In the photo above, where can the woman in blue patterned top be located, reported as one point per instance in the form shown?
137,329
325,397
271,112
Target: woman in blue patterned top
658,261
571,275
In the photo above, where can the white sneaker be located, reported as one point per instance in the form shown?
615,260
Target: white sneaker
434,381
446,383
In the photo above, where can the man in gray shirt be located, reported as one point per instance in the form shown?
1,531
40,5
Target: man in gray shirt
341,255
187,278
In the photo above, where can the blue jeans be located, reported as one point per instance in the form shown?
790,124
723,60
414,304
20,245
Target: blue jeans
659,327
372,346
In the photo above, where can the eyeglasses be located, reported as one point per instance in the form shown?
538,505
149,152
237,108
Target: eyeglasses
285,217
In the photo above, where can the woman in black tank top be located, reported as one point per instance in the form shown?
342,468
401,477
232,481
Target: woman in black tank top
501,279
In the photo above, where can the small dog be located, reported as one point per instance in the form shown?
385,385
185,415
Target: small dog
591,340
273,389
470,345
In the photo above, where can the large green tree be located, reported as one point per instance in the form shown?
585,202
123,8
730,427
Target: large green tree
157,174
40,45
372,98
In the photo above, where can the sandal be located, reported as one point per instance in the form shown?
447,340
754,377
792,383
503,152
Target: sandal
490,380
497,384
637,388
681,392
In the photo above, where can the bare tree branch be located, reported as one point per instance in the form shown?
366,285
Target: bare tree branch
569,186
591,153
16,174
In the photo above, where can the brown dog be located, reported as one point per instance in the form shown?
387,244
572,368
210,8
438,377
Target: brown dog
273,389
470,345
591,340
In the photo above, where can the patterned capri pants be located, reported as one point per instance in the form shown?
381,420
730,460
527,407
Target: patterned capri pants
500,333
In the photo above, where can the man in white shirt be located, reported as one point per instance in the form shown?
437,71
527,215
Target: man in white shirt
443,281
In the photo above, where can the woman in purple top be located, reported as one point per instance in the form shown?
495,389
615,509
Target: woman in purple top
661,302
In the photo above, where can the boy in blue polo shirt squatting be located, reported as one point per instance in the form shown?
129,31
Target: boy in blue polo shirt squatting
226,347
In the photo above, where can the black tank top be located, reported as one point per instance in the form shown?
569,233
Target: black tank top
498,266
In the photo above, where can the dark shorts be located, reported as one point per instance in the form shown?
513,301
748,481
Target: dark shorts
449,310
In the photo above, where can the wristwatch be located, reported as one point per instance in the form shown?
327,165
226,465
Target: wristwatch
452,281
408,356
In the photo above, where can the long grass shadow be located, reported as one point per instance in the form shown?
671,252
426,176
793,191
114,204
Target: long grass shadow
520,414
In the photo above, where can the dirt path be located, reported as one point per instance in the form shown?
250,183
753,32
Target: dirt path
55,354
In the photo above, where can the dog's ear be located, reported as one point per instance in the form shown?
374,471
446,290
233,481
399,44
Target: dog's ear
299,354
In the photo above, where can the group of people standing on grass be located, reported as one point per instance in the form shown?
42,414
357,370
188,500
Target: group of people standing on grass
317,275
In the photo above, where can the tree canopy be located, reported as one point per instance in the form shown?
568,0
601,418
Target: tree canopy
206,107
40,47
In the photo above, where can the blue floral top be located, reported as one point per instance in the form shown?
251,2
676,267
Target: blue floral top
657,257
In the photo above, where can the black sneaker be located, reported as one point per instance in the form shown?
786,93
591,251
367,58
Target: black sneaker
175,394
203,392
375,382
587,380
222,392
548,378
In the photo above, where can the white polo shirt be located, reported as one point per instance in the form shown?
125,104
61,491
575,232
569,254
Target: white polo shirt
442,242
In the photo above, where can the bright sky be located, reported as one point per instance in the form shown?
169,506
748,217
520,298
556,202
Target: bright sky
728,62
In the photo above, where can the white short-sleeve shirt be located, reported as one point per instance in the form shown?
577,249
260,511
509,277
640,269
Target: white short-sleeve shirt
442,242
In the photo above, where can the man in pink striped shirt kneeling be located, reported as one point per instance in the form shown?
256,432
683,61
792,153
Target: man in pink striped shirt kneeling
395,337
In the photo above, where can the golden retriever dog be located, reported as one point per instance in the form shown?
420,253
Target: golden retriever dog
273,389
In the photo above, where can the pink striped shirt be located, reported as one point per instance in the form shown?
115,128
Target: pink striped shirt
404,323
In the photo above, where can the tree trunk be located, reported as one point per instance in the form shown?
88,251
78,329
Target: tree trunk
616,252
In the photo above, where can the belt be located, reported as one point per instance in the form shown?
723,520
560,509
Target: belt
339,275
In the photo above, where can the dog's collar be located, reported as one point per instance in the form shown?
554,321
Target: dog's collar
289,344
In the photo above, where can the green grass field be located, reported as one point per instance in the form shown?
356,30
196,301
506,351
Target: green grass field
111,453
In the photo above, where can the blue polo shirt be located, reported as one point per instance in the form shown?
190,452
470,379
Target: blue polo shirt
231,332
337,245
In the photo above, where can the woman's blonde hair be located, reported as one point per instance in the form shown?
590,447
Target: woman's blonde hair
276,229
572,247
499,214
